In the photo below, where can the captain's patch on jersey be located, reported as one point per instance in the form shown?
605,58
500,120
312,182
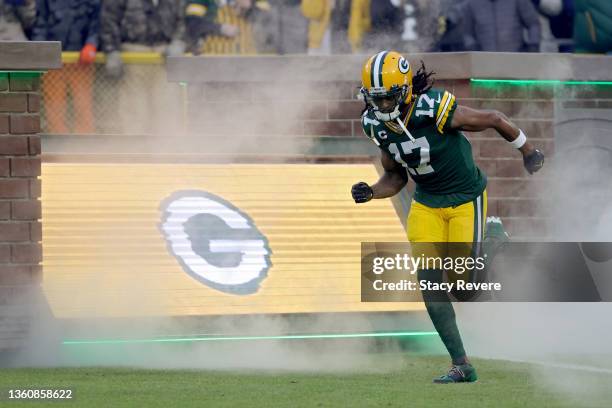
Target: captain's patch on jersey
215,242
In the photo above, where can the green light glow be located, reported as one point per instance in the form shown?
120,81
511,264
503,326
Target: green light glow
537,82
227,338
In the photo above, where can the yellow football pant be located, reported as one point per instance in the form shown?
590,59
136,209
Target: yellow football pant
464,223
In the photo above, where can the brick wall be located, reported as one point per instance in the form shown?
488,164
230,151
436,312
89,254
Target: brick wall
513,194
20,209
331,110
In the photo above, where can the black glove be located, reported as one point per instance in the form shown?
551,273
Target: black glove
534,161
361,192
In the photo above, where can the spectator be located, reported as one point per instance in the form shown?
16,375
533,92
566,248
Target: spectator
450,26
292,27
200,22
360,24
498,25
387,20
264,25
548,7
147,102
75,23
249,20
422,25
557,23
562,26
16,18
318,13
339,25
593,26
336,26
144,26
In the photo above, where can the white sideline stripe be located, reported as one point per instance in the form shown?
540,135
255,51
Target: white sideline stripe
578,367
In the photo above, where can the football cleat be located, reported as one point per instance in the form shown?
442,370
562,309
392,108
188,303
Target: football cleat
495,229
495,237
458,374
493,243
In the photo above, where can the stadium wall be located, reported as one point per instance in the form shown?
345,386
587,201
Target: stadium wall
21,65
275,112
305,109
532,89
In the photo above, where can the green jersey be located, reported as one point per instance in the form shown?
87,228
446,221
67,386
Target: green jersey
438,158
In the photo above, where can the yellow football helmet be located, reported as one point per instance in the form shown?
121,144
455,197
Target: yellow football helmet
386,84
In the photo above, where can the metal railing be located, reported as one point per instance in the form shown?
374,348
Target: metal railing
83,99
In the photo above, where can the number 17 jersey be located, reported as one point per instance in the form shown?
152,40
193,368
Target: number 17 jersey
439,159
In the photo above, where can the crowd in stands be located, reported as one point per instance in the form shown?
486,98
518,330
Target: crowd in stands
318,27
313,27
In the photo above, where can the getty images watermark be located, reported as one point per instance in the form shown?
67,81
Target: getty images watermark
399,272
531,272
411,264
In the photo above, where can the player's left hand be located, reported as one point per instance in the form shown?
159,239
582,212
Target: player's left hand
533,161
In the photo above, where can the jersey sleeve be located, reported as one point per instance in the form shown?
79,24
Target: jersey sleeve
369,125
444,109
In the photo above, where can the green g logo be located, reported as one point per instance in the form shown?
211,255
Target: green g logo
404,66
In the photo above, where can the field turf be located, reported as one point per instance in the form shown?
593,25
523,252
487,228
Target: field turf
501,384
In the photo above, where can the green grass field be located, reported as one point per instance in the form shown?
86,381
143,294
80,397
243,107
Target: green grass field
502,384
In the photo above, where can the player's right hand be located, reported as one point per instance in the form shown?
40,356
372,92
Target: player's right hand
362,192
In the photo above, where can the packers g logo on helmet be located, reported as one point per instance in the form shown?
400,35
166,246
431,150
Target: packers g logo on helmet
404,66
386,75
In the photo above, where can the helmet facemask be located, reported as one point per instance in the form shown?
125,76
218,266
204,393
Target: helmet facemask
385,104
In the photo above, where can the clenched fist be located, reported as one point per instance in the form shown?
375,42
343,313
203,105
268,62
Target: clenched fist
533,161
362,192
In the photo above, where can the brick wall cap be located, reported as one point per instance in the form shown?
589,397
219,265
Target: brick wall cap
451,65
30,55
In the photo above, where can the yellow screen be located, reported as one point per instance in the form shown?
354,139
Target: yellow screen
116,242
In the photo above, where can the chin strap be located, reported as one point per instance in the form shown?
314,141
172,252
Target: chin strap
404,129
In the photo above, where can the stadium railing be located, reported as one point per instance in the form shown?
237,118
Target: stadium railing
84,99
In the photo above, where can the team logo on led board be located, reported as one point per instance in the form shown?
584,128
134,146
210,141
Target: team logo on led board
215,242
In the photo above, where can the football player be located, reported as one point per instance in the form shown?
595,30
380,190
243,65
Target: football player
419,132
